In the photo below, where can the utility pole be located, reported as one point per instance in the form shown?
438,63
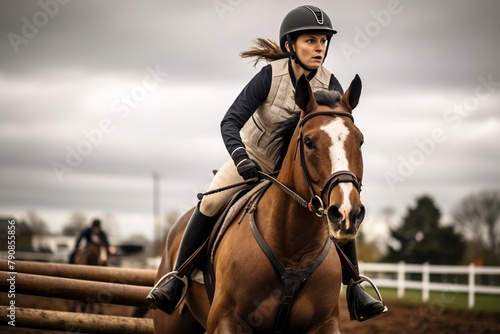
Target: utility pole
156,213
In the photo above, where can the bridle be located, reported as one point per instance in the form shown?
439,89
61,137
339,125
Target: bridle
315,203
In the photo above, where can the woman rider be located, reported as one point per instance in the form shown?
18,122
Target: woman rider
267,100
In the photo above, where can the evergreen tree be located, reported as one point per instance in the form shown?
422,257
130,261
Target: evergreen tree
420,237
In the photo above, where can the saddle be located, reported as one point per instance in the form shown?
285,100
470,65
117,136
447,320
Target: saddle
199,266
232,209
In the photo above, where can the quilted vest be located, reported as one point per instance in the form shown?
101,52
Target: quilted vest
279,105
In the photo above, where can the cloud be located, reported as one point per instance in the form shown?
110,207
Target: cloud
89,61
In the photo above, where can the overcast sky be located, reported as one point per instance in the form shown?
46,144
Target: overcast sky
95,96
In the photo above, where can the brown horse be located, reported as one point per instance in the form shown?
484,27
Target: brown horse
323,162
91,254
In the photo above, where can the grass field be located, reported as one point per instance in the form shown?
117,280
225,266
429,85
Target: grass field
446,299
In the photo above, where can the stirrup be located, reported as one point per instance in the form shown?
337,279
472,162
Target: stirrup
352,310
165,278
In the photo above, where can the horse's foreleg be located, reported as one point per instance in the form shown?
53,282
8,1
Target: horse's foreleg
231,324
226,328
178,322
329,327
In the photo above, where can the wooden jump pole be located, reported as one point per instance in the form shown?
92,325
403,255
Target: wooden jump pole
77,322
92,273
66,288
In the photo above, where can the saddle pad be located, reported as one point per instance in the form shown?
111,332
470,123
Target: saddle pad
197,273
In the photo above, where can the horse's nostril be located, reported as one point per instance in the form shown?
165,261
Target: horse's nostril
334,214
361,214
358,215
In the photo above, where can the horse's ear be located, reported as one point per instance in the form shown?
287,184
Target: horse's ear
304,96
351,96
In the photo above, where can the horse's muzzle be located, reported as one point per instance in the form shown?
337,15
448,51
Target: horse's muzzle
346,223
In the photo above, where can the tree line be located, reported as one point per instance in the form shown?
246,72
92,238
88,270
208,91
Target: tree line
473,235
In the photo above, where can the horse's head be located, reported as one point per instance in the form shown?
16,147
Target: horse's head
330,156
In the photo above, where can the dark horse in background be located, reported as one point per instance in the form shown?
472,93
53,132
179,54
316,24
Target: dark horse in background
93,254
323,163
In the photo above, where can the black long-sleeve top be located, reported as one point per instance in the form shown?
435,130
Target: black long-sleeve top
87,236
250,98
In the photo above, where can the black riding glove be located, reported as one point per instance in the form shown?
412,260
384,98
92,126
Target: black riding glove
248,169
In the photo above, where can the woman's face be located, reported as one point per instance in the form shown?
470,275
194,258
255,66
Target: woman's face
310,49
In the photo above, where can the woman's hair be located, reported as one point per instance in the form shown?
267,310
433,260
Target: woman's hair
264,49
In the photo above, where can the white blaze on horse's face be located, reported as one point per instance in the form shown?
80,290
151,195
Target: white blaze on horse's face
338,132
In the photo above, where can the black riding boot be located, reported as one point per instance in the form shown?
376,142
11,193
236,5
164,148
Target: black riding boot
360,304
168,296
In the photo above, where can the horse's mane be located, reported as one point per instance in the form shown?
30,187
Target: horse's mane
265,49
282,135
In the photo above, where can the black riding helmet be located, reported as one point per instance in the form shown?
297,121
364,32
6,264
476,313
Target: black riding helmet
96,223
300,20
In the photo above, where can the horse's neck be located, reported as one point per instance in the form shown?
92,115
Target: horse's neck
293,233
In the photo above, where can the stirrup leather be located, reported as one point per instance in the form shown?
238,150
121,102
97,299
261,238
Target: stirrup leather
352,310
165,278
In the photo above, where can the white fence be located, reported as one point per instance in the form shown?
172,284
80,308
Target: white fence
60,257
394,275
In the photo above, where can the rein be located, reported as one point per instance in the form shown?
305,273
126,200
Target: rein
315,203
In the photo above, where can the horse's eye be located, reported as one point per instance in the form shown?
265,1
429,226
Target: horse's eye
361,142
309,143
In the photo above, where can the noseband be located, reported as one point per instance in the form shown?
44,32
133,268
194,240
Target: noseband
342,176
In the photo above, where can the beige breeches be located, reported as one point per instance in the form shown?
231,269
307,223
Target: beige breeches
227,175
